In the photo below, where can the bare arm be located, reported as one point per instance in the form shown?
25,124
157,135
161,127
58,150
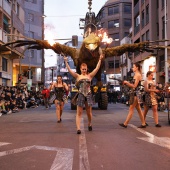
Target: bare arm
137,79
65,86
75,75
51,86
93,73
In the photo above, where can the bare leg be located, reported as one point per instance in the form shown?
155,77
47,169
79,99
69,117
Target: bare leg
131,111
138,108
155,113
89,113
57,109
146,108
61,109
78,116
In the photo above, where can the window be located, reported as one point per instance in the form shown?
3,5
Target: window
147,36
17,10
137,21
143,18
4,64
161,63
163,27
6,24
115,36
110,11
127,9
147,14
102,14
113,24
127,22
113,10
111,64
143,37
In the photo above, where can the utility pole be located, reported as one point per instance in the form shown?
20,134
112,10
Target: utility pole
43,60
166,43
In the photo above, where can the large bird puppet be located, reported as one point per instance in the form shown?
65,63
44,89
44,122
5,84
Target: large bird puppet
89,52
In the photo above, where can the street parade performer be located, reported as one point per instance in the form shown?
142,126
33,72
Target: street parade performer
60,89
135,99
84,96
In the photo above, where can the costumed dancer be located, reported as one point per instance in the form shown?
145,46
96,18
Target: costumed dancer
134,97
151,97
84,96
60,89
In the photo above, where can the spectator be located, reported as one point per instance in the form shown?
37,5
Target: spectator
46,95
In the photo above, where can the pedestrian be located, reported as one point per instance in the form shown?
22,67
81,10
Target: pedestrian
84,96
150,98
46,94
134,98
60,89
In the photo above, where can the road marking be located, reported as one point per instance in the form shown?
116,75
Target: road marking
161,141
84,162
62,161
3,143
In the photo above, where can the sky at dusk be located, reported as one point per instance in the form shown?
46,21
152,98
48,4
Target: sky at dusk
62,20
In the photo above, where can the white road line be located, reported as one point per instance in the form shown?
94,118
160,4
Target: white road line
62,161
83,161
161,141
3,143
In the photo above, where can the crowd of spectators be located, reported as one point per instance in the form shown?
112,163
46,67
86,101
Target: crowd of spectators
13,99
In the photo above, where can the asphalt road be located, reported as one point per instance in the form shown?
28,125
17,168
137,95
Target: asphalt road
33,140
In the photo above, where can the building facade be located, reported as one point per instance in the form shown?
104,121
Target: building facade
20,19
34,28
149,24
11,28
115,16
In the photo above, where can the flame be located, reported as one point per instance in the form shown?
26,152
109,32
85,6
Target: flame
51,42
104,37
49,36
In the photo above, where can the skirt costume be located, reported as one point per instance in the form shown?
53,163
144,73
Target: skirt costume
84,93
150,97
135,93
